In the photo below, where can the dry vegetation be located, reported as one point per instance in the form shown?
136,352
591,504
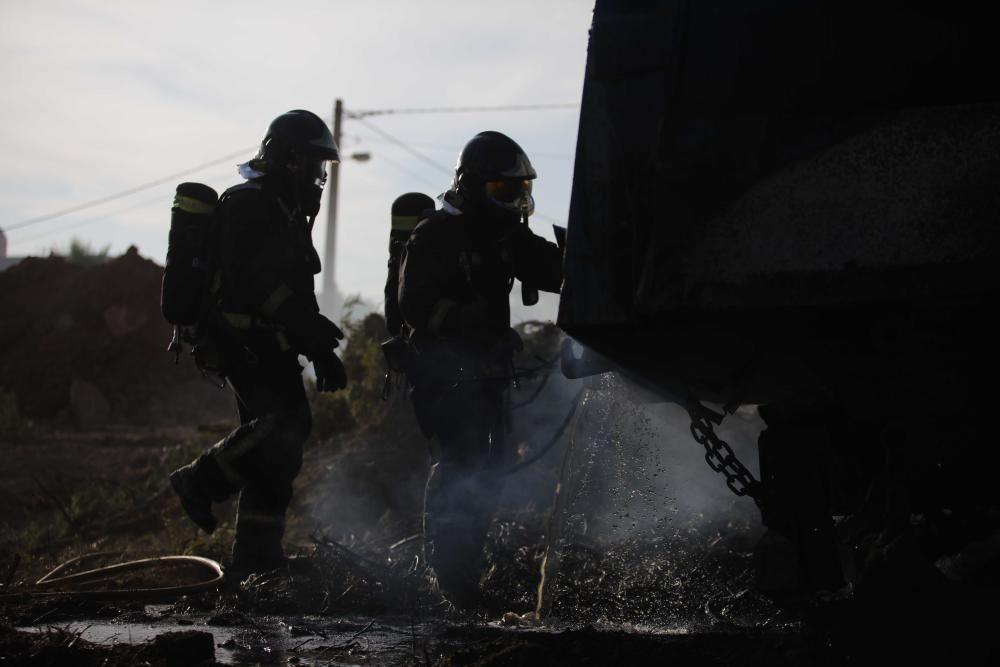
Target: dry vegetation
70,486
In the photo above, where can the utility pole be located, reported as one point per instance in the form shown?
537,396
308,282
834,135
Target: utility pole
330,303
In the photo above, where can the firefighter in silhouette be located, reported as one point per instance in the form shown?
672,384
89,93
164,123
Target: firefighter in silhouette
263,314
454,293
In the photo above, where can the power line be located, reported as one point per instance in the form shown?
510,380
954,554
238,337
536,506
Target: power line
126,193
87,221
102,217
358,115
405,146
450,148
434,163
409,172
354,115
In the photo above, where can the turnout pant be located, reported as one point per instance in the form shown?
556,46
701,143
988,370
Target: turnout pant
464,485
261,458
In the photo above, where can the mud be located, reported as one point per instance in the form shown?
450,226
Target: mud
650,558
402,641
76,645
890,633
684,598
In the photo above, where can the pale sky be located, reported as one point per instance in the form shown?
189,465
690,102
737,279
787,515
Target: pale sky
100,97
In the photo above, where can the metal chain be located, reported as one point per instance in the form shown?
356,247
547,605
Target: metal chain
720,456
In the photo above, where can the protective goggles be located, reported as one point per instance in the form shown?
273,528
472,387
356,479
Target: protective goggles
513,194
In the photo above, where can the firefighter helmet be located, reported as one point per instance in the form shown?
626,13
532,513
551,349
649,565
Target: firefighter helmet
492,168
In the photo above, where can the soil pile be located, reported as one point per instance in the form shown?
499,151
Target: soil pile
86,346
59,647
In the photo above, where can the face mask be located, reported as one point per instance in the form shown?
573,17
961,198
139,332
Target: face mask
310,187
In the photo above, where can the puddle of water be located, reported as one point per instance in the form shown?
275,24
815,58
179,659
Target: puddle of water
268,640
273,640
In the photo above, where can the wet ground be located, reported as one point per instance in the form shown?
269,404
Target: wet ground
271,640
635,602
887,635
641,601
649,560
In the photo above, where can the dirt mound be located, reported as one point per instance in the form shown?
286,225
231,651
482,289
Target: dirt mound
56,646
87,346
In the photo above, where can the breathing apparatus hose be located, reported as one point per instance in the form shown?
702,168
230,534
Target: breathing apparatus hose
552,441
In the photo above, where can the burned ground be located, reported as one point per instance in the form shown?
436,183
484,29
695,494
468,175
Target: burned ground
649,558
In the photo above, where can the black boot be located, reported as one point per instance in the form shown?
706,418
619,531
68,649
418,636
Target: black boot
195,501
259,530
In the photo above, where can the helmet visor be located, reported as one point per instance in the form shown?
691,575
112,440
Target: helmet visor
511,194
315,173
323,149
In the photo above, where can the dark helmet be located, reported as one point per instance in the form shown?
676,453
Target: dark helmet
492,168
295,148
296,136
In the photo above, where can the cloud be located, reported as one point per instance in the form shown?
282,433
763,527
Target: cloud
103,96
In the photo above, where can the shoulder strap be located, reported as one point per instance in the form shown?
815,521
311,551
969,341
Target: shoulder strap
257,187
249,185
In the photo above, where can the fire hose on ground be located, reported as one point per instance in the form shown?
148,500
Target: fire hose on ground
80,584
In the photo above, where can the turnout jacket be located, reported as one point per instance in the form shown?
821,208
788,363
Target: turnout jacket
267,262
458,270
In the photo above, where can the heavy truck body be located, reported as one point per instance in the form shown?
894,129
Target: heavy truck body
796,205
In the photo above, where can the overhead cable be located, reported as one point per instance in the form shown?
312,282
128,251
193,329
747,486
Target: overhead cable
433,110
360,116
87,221
130,191
405,146
431,161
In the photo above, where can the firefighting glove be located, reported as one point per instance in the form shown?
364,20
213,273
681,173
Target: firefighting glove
330,375
325,333
307,330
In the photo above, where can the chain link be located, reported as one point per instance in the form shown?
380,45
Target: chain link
720,456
